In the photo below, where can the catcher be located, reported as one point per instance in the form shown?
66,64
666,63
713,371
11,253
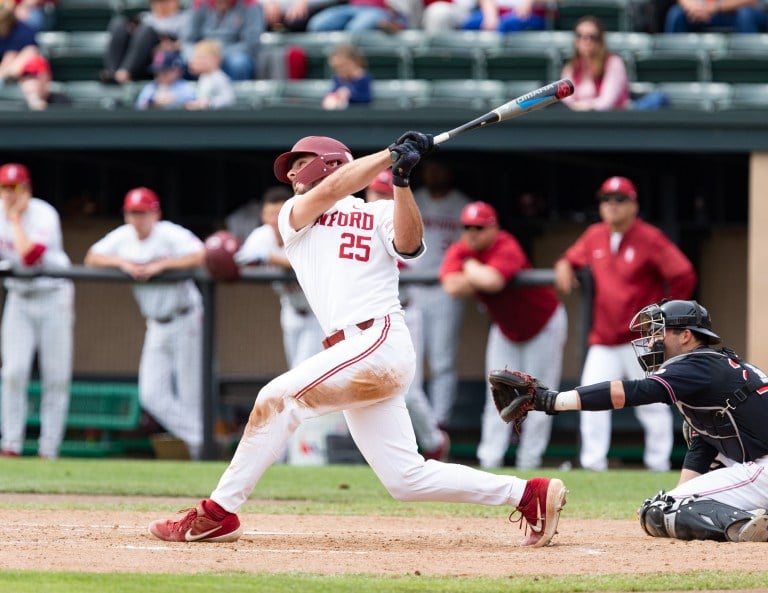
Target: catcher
722,492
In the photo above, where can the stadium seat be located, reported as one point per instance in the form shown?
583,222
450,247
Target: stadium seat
133,8
84,15
477,40
11,98
701,96
517,88
92,94
400,94
446,64
690,42
740,66
388,62
623,42
80,56
749,96
255,94
671,66
523,64
560,41
409,39
614,14
479,95
307,93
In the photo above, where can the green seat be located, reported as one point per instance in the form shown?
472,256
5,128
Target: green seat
400,94
547,41
307,93
409,39
470,40
690,42
749,96
478,95
446,64
84,15
80,56
699,96
614,14
133,8
671,66
255,94
738,66
92,94
523,64
388,62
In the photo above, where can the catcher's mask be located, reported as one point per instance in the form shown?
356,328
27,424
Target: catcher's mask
653,321
329,155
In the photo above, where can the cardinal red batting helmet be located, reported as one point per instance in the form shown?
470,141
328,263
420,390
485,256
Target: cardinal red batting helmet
325,149
141,199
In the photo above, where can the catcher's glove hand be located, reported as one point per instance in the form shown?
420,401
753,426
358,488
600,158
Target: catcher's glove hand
516,393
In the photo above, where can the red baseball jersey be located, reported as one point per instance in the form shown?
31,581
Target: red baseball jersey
520,312
646,268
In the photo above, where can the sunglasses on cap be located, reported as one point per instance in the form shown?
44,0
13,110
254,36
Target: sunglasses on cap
614,198
14,187
473,227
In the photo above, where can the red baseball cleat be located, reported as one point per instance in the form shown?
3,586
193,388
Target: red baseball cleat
540,506
197,526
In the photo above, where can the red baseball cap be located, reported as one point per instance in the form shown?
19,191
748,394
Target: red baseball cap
383,182
618,185
479,214
35,65
141,199
13,174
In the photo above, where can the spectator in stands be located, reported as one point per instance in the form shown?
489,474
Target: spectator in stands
35,84
133,41
17,42
351,82
445,15
599,76
214,88
507,16
236,24
168,89
292,15
38,14
362,15
742,16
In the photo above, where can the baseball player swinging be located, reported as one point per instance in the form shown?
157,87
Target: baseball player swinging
722,493
344,253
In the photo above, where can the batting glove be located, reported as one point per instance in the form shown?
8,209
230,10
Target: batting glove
424,142
404,157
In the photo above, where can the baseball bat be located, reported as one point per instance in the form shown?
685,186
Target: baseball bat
533,101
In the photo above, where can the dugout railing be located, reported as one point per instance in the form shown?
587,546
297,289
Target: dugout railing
212,380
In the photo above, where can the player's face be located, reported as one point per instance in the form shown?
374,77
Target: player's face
142,221
297,165
479,238
15,195
618,211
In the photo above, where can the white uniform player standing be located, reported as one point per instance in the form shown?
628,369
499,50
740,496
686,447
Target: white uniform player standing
345,253
302,334
440,204
38,315
170,371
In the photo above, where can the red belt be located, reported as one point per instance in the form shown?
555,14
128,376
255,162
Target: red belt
339,336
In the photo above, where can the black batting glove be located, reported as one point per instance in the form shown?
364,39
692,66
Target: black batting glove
404,155
425,143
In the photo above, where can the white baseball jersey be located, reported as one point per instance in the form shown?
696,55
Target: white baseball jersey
442,226
42,224
361,281
156,300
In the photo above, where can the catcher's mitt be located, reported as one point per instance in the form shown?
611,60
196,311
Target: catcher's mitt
516,393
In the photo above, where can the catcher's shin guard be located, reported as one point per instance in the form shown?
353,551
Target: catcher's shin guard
701,518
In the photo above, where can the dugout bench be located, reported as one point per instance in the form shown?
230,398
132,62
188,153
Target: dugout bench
99,412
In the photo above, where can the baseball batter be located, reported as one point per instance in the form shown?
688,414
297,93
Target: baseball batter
632,264
170,372
38,315
345,252
722,493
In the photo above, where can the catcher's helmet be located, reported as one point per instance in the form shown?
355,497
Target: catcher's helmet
141,199
653,321
326,150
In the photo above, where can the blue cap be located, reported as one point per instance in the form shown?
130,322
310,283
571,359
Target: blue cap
166,60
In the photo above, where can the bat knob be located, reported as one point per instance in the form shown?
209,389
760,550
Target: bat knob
564,89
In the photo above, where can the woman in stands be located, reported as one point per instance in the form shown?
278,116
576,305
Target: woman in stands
599,76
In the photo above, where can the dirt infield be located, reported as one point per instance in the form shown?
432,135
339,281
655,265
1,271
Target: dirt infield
115,541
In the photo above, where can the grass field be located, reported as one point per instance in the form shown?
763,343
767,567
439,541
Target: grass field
332,490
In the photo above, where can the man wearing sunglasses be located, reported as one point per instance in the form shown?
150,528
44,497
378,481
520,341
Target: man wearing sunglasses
632,264
528,324
38,316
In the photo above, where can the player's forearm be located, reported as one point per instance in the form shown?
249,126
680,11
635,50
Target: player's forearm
457,285
482,277
185,262
600,396
409,228
97,260
21,241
